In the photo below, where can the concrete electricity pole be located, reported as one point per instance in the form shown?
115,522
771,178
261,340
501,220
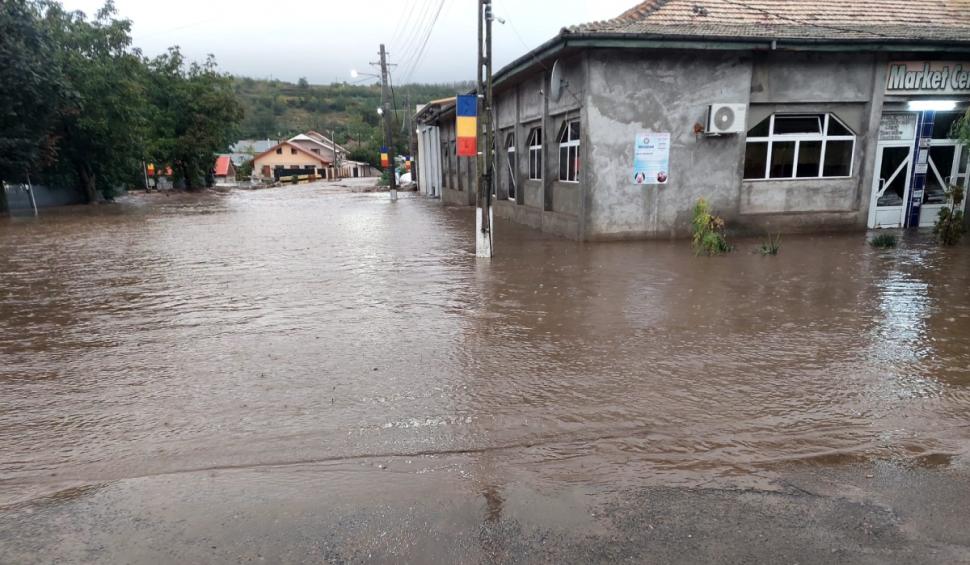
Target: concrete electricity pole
412,139
388,129
484,220
336,157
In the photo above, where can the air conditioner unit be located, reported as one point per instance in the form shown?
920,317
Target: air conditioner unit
726,118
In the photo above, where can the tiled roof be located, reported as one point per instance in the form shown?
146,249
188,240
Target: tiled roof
222,165
889,20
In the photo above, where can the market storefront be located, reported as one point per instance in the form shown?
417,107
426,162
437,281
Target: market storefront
918,154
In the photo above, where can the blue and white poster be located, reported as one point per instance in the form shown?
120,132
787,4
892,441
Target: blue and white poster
651,158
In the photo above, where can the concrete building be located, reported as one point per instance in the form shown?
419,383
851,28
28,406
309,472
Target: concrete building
787,115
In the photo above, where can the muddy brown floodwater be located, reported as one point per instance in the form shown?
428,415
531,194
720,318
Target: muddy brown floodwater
168,335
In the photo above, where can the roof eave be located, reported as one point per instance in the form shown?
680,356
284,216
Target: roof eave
567,40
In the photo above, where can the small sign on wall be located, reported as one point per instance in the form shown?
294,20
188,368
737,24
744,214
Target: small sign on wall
651,158
897,127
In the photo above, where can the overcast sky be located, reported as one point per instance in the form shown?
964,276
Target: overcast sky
323,39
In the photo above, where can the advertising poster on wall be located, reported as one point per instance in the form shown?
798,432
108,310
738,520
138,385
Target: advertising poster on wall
651,158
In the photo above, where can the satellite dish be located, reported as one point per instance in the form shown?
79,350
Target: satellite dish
556,83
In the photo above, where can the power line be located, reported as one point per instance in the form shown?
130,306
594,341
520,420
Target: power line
411,39
403,24
424,45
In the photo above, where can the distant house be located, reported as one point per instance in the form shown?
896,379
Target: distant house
225,171
289,159
245,149
321,145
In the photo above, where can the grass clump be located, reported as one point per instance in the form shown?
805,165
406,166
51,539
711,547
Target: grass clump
949,227
708,231
884,241
770,246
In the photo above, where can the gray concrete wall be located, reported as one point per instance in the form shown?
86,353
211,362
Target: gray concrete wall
458,172
660,91
636,91
811,77
847,85
46,197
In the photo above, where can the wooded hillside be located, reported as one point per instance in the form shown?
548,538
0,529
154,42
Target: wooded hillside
275,109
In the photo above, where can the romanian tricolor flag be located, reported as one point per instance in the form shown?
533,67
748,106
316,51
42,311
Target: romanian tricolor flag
385,158
467,125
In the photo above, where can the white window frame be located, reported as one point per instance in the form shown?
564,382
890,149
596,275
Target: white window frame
535,152
798,138
567,132
512,164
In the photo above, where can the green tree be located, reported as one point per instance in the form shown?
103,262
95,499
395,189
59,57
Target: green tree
101,131
194,115
31,92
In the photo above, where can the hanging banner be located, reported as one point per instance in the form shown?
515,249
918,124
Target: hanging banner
651,158
385,159
466,125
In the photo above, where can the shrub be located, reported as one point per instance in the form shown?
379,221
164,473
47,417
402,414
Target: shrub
708,231
884,241
949,225
770,246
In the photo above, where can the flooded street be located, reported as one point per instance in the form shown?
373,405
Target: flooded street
358,346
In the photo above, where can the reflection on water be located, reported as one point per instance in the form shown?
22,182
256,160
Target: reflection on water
199,332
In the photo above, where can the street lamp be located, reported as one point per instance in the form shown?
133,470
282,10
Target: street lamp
354,73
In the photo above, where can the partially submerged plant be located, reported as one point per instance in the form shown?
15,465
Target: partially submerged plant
771,245
708,231
884,241
949,227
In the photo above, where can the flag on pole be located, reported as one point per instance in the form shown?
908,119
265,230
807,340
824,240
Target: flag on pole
385,159
466,126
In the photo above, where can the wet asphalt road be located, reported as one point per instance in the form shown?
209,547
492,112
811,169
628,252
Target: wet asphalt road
310,374
879,513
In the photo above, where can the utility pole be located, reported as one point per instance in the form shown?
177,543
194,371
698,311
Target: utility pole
336,157
388,128
484,220
412,140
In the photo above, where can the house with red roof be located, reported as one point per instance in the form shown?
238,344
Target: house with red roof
225,171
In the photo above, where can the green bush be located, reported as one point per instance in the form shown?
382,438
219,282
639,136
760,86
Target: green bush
385,179
708,231
770,246
949,227
884,241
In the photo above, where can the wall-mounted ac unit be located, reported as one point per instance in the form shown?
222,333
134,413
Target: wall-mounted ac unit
726,119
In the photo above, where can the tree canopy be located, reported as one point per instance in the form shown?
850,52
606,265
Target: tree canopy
79,105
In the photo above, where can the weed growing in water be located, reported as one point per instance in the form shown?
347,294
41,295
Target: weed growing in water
708,231
884,241
949,225
770,246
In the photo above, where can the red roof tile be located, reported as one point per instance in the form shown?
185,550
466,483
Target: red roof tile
222,165
892,20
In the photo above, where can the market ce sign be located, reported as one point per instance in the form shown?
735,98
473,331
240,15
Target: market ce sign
928,77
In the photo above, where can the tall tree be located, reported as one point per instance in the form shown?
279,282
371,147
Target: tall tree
31,92
195,115
102,129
